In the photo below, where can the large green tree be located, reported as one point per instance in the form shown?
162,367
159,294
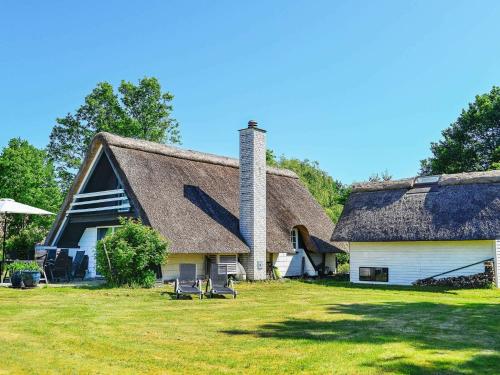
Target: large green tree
329,193
472,142
137,111
28,176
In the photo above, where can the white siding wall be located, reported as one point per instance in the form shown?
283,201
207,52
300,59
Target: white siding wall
410,261
88,243
497,263
170,271
291,264
330,262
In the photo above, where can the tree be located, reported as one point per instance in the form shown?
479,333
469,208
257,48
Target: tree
137,111
329,193
129,255
27,176
471,143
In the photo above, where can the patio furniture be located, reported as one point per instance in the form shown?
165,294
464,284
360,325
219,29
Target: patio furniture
61,268
187,283
41,260
5,273
77,269
219,283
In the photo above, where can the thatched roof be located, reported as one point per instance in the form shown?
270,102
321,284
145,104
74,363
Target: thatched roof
192,198
462,206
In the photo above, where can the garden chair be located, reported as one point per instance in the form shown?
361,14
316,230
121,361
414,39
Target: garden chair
41,261
62,266
81,271
77,262
187,282
219,283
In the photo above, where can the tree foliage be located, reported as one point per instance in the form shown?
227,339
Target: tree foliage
329,193
472,142
130,254
137,111
21,243
27,176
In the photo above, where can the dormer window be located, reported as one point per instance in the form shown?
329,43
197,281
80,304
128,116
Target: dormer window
294,238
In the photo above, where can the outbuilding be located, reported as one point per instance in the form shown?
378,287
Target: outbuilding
405,230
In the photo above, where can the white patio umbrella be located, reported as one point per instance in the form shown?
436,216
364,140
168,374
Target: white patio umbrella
10,206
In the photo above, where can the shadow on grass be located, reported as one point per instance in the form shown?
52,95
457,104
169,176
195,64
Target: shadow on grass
479,364
349,285
423,325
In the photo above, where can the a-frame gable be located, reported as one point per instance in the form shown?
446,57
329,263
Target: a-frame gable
100,200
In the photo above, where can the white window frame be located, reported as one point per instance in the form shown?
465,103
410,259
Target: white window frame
294,238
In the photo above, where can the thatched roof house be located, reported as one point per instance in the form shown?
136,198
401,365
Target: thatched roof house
194,200
418,227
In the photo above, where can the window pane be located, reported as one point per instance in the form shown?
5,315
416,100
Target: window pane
380,274
103,232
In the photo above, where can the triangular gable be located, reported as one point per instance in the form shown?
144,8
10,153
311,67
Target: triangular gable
99,200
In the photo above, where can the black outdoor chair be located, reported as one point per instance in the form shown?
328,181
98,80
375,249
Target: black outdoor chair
61,268
187,282
81,270
77,262
219,283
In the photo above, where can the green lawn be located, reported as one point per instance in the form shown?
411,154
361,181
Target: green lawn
279,327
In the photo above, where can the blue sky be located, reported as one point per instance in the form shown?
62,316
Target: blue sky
360,86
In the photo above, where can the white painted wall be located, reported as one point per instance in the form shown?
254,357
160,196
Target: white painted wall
410,261
497,263
330,262
88,243
291,264
170,271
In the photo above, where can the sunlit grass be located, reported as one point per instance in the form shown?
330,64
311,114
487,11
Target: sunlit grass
279,327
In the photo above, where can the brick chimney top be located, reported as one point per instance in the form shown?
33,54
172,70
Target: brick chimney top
252,124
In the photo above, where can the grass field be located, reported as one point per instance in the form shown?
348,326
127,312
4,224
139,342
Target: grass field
279,327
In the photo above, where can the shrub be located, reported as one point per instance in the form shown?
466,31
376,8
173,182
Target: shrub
129,255
18,266
343,268
22,244
342,258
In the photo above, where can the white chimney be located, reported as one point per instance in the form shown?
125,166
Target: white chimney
253,198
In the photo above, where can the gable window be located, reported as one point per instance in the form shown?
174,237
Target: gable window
104,231
294,238
380,274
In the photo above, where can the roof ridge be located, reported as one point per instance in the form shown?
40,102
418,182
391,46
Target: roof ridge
483,177
180,153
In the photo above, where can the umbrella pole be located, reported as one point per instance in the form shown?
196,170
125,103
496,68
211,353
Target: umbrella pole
3,245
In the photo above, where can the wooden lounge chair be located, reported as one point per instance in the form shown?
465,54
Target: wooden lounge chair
187,282
219,282
42,261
